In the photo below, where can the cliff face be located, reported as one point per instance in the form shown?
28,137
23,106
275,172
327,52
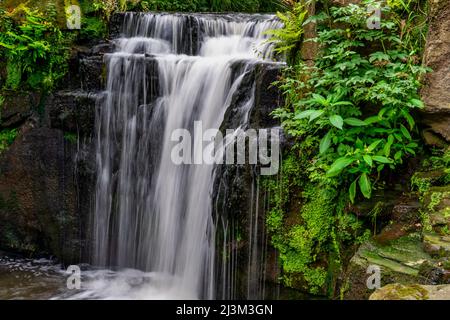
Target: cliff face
47,174
436,92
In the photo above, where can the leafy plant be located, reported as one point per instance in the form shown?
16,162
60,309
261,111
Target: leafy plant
350,115
289,38
358,103
35,49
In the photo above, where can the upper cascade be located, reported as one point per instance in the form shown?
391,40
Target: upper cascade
206,35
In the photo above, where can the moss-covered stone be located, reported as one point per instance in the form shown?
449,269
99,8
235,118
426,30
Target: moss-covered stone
397,291
436,244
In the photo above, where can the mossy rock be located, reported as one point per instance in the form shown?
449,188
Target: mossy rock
397,291
437,245
437,199
400,261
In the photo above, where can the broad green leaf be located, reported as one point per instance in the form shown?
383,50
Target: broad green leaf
398,155
405,132
325,143
337,121
368,159
387,146
355,122
365,186
381,159
304,114
372,120
373,145
316,114
410,119
339,165
352,191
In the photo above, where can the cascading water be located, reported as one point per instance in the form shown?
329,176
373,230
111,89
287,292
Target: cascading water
150,214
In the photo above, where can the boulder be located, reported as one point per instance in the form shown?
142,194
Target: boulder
397,291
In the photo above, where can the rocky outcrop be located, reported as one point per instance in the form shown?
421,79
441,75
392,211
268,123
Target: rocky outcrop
37,194
436,91
47,175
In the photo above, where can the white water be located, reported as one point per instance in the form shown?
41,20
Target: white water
150,214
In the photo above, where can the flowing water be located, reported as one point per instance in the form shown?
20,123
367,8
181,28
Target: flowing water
168,72
154,232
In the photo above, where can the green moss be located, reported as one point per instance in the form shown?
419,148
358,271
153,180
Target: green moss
398,291
7,137
71,137
309,227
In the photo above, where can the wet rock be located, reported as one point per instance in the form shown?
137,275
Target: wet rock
72,111
397,291
436,91
17,107
93,73
38,202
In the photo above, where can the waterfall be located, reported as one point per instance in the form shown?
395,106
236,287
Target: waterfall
168,71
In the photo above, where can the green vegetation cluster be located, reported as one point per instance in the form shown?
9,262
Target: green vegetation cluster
33,48
350,113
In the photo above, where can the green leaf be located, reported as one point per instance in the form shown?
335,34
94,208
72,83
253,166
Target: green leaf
398,155
368,159
373,145
355,122
405,132
325,143
381,159
409,118
339,165
337,121
417,103
372,120
304,114
343,103
387,146
352,191
365,185
316,114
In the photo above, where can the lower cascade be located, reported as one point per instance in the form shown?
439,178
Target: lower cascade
168,72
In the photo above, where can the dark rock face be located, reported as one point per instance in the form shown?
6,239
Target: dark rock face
38,197
17,108
47,176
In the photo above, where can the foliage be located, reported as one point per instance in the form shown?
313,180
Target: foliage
7,137
289,38
350,115
207,5
356,102
34,47
71,137
316,232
